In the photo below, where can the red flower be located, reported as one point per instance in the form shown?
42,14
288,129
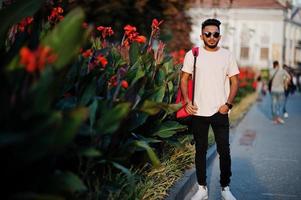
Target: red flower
140,39
129,29
124,84
102,60
36,60
105,31
178,56
87,53
156,24
56,15
113,81
24,23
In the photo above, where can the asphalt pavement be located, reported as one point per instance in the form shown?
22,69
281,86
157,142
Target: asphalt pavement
266,158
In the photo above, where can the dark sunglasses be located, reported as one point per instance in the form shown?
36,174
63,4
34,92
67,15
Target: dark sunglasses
214,34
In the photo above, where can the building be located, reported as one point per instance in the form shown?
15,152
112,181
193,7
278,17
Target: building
257,32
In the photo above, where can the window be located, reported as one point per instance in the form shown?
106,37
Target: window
264,53
244,53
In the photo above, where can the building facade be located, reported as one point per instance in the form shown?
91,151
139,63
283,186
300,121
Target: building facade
257,32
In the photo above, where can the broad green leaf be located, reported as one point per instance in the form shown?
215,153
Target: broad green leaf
67,182
136,120
15,13
158,94
150,152
168,129
65,134
136,72
134,53
92,112
110,119
88,93
90,152
152,108
67,37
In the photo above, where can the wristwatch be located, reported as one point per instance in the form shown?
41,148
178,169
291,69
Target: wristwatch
229,105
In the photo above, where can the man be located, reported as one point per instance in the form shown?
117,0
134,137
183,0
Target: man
279,80
213,99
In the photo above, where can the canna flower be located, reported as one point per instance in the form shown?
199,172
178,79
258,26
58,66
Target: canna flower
140,39
156,24
102,60
105,31
131,35
124,84
155,31
36,60
56,15
129,29
24,23
87,53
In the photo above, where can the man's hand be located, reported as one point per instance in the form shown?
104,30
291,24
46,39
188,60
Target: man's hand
191,109
223,109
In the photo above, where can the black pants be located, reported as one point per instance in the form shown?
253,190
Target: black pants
200,127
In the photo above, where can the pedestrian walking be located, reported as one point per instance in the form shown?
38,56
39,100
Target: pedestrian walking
278,82
213,99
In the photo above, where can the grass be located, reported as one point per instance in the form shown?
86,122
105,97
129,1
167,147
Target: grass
157,181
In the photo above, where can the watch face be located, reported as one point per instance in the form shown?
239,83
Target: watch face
229,105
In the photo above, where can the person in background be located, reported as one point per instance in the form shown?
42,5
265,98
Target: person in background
288,89
279,79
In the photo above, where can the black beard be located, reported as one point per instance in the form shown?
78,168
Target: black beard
211,46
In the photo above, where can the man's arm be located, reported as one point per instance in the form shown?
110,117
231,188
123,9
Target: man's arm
233,88
233,91
184,85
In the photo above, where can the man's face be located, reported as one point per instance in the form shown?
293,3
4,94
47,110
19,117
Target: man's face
211,36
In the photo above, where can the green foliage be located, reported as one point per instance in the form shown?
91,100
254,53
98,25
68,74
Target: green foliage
76,128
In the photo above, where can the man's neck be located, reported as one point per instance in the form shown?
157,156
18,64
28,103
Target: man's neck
211,49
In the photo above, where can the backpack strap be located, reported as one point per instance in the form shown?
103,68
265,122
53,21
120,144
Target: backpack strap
195,52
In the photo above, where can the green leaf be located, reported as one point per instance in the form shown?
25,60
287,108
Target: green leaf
168,129
65,134
110,119
150,152
68,182
92,112
88,93
15,13
158,94
67,37
127,172
152,108
134,53
90,152
136,72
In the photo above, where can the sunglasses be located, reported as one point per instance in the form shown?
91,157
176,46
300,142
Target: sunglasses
214,34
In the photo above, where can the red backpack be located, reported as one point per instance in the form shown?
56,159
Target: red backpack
181,113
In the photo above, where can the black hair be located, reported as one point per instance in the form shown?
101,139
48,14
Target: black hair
275,63
211,22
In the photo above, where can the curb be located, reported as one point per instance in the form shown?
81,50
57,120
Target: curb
184,185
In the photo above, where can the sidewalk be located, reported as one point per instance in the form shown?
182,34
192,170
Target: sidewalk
266,159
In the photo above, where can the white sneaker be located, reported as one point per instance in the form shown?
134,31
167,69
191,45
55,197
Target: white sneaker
226,194
285,115
201,194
